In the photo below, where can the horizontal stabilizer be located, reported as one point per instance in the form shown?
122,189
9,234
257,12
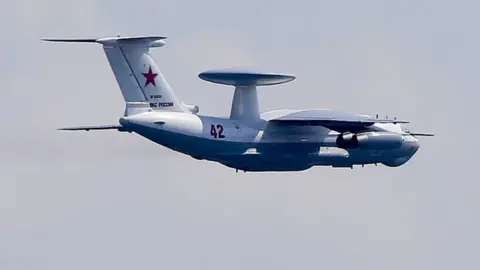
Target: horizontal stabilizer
87,128
77,40
152,41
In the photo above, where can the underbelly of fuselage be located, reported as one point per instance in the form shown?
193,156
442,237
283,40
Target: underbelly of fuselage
266,156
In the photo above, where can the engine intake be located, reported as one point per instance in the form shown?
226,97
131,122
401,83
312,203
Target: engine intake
370,140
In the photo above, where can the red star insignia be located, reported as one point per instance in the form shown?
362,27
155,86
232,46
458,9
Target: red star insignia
150,76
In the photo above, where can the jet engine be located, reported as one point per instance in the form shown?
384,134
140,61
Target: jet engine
370,140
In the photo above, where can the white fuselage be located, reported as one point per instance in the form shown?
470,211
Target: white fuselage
259,147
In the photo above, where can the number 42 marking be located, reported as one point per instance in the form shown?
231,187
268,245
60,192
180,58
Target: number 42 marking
217,131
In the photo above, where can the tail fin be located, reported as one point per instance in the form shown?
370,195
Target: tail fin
137,75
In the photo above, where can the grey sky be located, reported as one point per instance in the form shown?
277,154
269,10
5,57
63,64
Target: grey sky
114,201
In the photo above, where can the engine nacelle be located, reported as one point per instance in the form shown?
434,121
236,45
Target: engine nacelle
370,140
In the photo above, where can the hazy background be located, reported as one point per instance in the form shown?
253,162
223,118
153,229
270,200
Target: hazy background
108,200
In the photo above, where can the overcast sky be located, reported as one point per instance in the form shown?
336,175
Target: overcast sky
108,200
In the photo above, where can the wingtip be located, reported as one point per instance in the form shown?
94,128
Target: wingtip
422,134
71,129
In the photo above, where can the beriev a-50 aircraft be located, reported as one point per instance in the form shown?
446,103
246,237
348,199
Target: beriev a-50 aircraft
279,140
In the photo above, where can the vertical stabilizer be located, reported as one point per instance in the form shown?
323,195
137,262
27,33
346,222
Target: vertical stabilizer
137,75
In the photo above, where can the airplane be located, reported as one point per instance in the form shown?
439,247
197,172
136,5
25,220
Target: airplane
279,140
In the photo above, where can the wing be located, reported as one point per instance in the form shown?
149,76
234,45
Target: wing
87,128
416,134
334,120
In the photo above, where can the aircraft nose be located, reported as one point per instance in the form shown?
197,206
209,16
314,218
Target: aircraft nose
410,144
414,144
